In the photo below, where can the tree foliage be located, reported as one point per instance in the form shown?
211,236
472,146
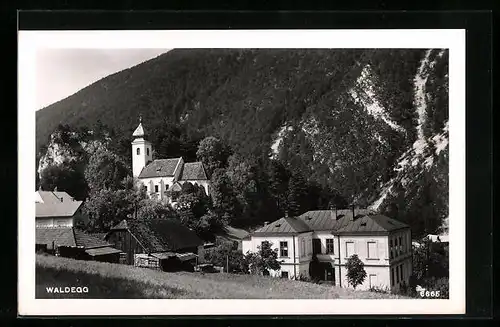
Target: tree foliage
213,153
105,170
356,273
264,260
67,177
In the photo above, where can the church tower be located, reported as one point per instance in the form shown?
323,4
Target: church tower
141,150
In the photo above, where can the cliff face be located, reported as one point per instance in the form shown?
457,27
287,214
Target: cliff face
372,124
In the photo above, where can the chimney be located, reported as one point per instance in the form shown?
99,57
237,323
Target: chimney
353,213
55,189
266,223
62,199
333,212
40,188
286,213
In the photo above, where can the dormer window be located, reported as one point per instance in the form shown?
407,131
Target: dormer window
147,151
138,151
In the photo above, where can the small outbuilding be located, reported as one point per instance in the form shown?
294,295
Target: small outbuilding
163,244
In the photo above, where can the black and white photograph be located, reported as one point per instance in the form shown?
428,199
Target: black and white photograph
242,165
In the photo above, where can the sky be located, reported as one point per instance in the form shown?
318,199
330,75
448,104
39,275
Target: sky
63,72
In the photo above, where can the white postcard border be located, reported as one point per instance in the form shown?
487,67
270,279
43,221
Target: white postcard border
30,41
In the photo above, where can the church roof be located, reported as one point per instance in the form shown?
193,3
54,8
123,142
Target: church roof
160,168
55,204
139,131
193,171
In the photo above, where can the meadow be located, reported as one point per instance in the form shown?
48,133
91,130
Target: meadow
115,281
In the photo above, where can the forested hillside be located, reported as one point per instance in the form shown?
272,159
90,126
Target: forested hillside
368,126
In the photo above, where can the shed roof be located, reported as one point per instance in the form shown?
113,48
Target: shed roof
102,251
55,204
193,171
161,235
160,168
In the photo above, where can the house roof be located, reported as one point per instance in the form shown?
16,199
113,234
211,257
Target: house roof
285,225
160,168
161,235
193,171
55,204
62,236
319,220
371,224
139,131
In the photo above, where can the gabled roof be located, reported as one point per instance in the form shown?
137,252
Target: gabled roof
285,225
160,235
232,233
62,236
160,168
372,224
55,204
193,171
139,131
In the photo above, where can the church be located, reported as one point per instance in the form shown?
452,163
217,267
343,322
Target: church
163,178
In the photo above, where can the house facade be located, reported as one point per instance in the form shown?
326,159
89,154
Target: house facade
163,178
56,209
317,245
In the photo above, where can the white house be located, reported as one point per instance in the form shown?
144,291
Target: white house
56,209
332,236
163,177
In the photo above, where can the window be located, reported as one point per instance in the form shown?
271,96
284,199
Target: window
400,245
284,274
156,188
401,272
283,249
390,249
303,248
265,272
316,242
397,274
138,151
263,244
392,276
372,279
349,249
329,245
372,250
147,151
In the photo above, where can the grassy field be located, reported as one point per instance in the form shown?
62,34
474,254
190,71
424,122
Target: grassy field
105,280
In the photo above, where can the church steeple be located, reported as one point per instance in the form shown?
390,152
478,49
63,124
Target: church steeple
141,150
139,131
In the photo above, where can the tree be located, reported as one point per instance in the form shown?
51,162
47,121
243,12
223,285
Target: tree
212,153
105,170
356,273
192,205
278,184
297,194
67,177
224,199
225,255
105,208
263,260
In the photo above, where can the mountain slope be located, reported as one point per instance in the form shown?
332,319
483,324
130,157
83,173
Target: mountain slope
348,119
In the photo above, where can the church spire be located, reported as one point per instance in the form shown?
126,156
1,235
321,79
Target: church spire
139,131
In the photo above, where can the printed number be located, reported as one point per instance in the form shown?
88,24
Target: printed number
429,293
